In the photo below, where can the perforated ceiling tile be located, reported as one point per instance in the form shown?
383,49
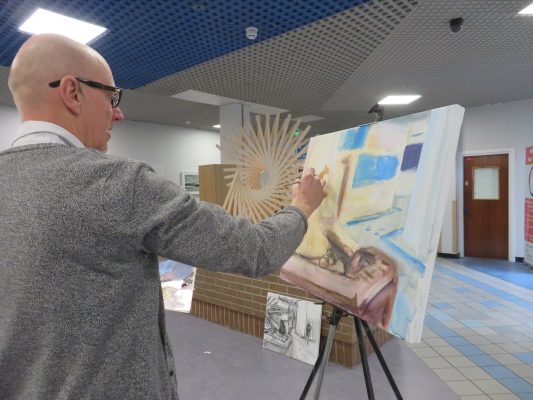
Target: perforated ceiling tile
335,67
490,60
150,39
5,95
297,70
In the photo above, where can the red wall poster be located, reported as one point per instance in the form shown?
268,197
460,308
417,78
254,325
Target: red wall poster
528,256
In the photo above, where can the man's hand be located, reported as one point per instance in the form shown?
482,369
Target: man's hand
308,193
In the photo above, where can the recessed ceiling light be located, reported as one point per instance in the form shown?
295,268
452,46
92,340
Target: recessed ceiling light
527,11
216,126
406,99
44,21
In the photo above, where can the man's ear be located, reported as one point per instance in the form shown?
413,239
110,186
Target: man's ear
69,90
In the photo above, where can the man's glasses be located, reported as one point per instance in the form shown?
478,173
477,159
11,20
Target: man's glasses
116,92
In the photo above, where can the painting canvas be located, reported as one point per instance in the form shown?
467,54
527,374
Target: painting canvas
292,327
177,284
371,245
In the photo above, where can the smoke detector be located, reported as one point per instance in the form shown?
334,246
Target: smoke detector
251,32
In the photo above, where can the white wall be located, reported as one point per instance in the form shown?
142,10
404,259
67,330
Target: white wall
491,128
9,123
168,149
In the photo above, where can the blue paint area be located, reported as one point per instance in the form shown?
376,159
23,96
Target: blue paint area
409,259
354,138
513,272
148,40
371,169
372,217
411,156
402,315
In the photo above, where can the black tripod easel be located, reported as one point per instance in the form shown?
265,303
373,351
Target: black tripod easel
325,351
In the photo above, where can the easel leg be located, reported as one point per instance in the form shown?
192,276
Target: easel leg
364,360
382,360
323,355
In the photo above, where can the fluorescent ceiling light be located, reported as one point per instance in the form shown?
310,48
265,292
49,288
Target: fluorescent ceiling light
527,11
44,21
399,99
216,126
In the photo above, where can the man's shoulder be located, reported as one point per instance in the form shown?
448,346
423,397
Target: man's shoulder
96,155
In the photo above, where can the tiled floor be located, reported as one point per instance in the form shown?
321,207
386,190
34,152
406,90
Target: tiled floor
478,334
517,273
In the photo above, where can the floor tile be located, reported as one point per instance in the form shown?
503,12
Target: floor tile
483,360
507,396
484,331
446,351
450,374
478,340
424,352
498,339
469,350
506,358
491,386
457,341
491,349
515,348
436,362
472,323
474,373
460,361
499,372
525,357
436,342
464,388
523,371
517,385
481,326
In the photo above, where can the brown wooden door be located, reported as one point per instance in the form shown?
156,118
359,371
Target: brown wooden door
486,206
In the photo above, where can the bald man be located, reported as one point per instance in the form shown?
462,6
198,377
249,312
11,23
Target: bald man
81,311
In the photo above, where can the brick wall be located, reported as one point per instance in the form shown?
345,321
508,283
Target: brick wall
239,303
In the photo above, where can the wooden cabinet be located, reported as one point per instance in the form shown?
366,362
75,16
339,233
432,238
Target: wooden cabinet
213,187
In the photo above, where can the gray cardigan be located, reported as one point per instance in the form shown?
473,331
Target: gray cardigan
81,312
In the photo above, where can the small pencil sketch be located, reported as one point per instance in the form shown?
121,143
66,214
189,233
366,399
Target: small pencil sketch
292,327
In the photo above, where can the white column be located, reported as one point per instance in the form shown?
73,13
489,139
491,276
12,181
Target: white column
232,117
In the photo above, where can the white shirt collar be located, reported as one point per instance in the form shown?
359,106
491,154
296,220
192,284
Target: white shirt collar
35,132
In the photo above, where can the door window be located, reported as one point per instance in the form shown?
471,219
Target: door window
486,183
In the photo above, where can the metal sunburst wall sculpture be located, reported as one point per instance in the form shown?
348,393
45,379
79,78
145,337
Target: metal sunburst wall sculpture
268,160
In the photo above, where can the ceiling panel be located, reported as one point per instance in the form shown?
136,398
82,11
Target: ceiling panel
334,61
